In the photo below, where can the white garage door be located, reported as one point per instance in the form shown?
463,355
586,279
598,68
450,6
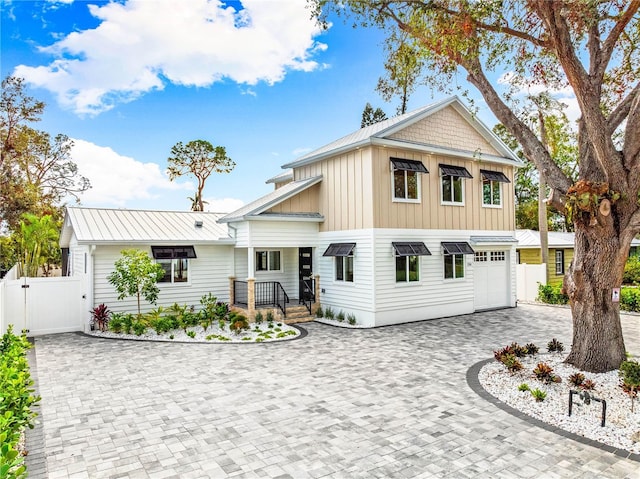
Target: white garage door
491,279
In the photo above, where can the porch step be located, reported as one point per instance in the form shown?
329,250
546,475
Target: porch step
298,314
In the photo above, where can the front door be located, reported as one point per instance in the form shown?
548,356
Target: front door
305,273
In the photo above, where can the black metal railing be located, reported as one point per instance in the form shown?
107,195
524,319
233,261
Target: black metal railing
241,293
267,293
307,293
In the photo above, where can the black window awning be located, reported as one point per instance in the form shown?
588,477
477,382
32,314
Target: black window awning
408,165
461,247
339,249
173,252
459,171
494,176
412,248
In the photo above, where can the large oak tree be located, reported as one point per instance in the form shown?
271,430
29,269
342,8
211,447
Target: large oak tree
589,46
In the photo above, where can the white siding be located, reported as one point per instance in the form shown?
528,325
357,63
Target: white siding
241,232
209,273
241,263
282,234
433,296
357,297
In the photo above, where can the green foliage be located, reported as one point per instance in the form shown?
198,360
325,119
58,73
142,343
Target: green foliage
351,319
269,318
630,299
544,373
238,323
116,323
16,401
340,316
136,274
371,116
539,395
511,362
139,327
523,387
551,294
630,374
258,317
127,323
37,243
576,379
191,334
631,273
319,312
328,313
531,349
200,159
555,346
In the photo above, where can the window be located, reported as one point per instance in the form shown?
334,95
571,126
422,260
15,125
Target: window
480,257
517,257
491,190
406,180
452,183
454,258
268,260
174,261
407,269
175,270
559,261
498,256
408,260
344,268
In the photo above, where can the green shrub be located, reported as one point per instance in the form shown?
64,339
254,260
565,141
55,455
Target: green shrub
319,312
523,387
328,313
631,273
551,294
555,346
191,334
340,316
538,395
630,299
269,317
127,322
139,327
630,374
351,319
116,323
258,317
16,401
238,323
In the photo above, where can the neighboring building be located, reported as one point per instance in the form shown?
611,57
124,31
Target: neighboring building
560,246
408,219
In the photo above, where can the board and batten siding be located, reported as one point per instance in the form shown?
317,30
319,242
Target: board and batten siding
350,297
304,202
446,128
346,190
208,273
430,213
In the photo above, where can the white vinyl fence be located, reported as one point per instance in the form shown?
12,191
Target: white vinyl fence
527,278
42,305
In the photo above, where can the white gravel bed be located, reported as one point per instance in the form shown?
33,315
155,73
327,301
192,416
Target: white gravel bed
340,324
213,332
622,429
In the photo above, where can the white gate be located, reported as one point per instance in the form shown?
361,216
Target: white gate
527,278
42,305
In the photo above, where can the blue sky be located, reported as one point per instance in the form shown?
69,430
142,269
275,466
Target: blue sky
127,80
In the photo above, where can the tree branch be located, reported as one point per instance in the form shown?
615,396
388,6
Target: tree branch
621,112
608,47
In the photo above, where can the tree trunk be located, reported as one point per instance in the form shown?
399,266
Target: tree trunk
598,345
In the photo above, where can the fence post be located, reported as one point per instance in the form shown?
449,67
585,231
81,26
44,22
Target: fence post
232,290
251,298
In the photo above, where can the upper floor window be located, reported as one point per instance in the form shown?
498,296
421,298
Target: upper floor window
452,183
406,179
559,261
174,261
491,189
268,260
408,260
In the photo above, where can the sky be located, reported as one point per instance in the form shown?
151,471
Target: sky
128,79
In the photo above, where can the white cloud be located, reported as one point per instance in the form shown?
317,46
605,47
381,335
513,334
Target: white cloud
140,44
116,179
222,205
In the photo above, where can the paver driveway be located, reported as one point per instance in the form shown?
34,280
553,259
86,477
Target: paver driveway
388,402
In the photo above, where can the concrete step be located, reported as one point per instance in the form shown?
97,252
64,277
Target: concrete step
298,314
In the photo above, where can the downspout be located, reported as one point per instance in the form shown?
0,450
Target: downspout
90,281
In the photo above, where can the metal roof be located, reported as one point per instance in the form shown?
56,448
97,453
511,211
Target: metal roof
286,175
388,127
270,200
491,240
556,239
120,226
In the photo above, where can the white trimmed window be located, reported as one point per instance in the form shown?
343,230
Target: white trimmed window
453,266
268,260
407,269
344,268
491,188
452,184
559,261
406,179
175,270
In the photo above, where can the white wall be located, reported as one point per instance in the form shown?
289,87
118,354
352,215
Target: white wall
528,276
277,234
208,273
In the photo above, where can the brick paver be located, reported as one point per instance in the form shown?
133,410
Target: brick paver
379,403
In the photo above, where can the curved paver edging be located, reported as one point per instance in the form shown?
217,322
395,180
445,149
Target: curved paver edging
303,334
474,384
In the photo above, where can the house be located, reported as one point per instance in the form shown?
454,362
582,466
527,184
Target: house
408,219
560,245
193,248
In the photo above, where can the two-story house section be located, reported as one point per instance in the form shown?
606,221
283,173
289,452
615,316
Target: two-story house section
408,219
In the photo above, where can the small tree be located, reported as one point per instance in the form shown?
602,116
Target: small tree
136,275
371,116
198,158
37,243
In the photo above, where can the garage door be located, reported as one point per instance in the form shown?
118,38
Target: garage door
491,279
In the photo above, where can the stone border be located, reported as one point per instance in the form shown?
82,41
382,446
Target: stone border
303,334
474,384
35,460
